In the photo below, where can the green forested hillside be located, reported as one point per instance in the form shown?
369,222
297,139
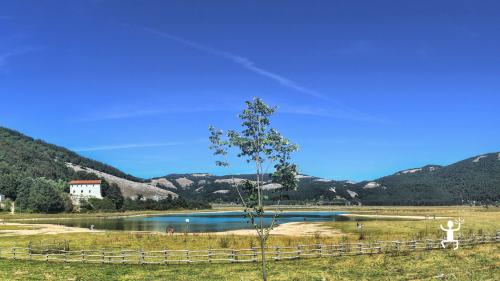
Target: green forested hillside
35,175
471,181
476,179
20,154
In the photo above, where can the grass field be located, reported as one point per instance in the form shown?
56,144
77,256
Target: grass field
478,263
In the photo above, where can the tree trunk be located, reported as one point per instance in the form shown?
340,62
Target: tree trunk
263,253
261,219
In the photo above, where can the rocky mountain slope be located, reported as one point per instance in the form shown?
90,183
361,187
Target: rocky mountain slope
128,188
22,157
476,179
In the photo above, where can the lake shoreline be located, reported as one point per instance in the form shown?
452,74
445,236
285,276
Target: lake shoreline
393,216
87,215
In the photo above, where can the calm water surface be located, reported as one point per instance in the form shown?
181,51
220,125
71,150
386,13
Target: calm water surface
198,222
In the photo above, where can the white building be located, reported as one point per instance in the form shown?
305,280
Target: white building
84,189
2,197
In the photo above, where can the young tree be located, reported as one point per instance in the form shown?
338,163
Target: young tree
263,146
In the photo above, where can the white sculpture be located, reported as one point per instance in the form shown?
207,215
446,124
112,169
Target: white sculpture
449,234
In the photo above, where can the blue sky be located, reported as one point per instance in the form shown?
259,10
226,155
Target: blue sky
366,88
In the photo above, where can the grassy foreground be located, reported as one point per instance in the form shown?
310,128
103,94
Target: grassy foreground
479,263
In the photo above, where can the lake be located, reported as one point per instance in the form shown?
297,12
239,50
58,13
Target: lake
198,222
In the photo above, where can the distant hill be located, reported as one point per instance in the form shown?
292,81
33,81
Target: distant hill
476,179
22,156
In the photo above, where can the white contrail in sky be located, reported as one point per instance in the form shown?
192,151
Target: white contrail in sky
7,55
242,61
134,145
132,113
341,111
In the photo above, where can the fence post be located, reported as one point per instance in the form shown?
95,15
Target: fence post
428,244
342,249
29,249
188,257
277,253
254,258
141,256
397,246
233,255
14,253
165,257
299,251
497,238
360,248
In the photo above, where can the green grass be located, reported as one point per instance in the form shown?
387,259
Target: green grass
476,220
479,263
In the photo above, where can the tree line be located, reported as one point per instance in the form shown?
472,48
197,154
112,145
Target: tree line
34,175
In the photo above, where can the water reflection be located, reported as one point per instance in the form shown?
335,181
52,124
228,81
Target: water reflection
198,222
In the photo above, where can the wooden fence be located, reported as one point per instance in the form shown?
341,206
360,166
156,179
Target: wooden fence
168,257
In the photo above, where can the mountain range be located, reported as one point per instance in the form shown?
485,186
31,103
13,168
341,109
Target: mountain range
473,180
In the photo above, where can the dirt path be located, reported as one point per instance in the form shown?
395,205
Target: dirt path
15,229
290,229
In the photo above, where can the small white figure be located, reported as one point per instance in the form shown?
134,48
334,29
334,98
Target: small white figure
91,227
449,234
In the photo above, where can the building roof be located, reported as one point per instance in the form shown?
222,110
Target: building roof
85,182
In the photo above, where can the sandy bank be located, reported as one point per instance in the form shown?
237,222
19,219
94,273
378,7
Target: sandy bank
394,217
290,229
37,229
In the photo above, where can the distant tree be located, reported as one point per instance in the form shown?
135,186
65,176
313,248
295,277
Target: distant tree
42,196
261,145
85,206
113,193
104,205
9,185
68,203
6,205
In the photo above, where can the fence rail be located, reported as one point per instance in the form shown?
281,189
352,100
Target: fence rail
170,257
